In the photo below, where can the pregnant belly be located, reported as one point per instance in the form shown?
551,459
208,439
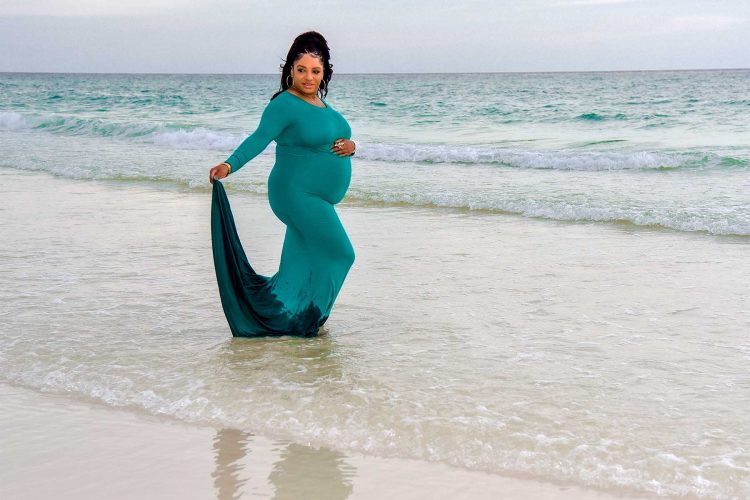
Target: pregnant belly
312,171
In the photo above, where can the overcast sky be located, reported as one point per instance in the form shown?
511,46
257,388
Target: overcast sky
378,36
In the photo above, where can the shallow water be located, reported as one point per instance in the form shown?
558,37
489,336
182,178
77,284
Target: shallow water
607,355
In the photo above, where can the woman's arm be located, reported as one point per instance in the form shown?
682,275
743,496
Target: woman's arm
272,123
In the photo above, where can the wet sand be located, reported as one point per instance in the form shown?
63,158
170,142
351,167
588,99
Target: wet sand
62,447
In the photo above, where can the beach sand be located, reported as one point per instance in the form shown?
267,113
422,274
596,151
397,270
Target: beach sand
62,447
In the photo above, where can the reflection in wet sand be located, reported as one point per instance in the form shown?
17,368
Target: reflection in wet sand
230,447
309,473
302,472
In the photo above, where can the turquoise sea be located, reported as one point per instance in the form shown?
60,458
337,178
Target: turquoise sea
551,278
665,149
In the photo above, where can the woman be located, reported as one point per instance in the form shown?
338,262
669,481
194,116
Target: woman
311,174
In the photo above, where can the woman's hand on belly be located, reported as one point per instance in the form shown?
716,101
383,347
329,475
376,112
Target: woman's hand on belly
343,147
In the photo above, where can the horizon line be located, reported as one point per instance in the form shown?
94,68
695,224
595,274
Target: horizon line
380,73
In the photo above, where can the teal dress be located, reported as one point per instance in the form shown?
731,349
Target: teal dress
305,183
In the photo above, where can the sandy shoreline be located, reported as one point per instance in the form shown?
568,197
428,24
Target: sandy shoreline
54,446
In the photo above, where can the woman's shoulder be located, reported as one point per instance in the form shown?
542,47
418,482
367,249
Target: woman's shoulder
279,104
278,99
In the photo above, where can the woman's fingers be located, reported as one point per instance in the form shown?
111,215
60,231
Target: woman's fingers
214,174
340,147
218,172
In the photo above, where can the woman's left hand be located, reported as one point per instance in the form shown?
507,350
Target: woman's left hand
343,147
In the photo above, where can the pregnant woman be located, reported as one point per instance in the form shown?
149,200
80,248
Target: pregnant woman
311,174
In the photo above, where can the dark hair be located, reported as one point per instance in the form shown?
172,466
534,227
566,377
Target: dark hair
313,43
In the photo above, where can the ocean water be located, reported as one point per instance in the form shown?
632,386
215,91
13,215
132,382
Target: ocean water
668,149
551,277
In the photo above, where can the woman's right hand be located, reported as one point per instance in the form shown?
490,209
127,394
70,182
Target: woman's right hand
219,171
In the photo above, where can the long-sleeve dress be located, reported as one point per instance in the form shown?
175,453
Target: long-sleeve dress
305,183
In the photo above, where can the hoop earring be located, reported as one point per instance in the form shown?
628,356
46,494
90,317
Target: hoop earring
287,81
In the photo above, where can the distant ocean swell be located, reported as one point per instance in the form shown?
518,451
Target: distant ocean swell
201,138
160,134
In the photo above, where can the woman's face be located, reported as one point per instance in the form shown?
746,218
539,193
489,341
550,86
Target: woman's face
307,72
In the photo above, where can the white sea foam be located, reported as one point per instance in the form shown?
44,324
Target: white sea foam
558,160
156,132
721,220
727,221
10,120
198,138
